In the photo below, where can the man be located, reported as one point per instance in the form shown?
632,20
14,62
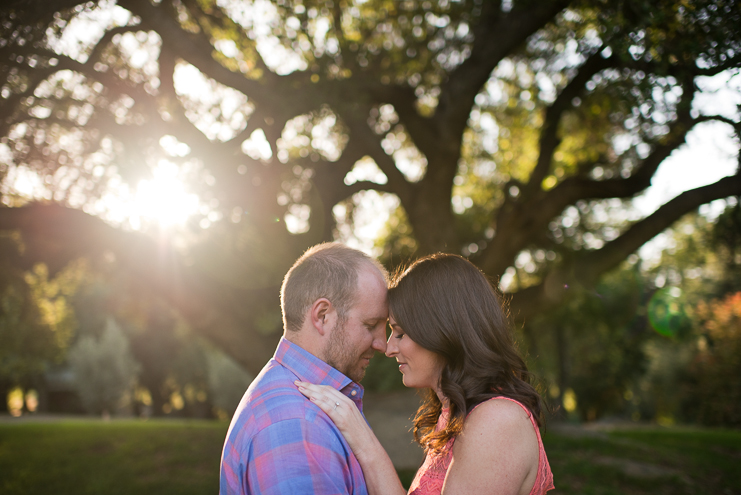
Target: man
334,317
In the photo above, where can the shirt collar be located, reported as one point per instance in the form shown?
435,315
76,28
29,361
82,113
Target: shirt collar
310,368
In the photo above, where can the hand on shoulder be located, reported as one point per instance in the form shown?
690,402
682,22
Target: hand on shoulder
496,452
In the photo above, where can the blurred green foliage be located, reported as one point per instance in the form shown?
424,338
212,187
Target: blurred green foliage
713,378
593,345
105,371
654,340
37,321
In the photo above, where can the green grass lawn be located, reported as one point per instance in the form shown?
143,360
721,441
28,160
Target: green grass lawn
182,457
655,461
116,457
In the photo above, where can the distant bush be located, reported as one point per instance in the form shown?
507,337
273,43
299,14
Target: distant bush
713,385
227,382
105,371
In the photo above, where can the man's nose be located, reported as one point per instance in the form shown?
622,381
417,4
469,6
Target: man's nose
391,348
379,341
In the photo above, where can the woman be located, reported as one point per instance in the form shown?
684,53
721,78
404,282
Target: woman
479,423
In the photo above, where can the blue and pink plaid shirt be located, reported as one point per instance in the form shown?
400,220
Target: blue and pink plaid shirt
279,442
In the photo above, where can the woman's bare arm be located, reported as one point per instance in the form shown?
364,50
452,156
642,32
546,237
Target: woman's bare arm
378,470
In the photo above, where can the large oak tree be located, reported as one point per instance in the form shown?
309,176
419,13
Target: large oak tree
502,128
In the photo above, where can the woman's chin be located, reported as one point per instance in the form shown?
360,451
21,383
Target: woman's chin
410,384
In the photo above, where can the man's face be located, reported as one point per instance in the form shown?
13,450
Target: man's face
355,340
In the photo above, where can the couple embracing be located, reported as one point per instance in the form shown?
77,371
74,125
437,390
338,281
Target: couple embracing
300,429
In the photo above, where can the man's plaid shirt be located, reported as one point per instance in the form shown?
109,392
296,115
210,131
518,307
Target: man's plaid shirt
279,442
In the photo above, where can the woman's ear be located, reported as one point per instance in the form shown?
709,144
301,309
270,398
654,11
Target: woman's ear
322,312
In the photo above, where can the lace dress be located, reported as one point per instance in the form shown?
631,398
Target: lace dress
430,477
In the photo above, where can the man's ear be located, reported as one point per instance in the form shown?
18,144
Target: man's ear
322,313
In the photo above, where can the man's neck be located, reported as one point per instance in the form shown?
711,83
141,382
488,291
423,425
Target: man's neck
297,338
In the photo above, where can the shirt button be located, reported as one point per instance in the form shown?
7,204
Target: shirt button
354,393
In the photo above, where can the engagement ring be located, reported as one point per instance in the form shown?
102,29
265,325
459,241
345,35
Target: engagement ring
336,404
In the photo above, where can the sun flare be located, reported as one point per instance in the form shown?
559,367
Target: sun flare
163,200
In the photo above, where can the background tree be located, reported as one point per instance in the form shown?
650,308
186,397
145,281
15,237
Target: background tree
500,128
693,377
713,388
37,321
592,348
227,382
105,371
174,369
655,339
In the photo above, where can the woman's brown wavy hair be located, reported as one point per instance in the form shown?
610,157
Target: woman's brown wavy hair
447,305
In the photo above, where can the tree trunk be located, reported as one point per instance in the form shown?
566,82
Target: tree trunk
563,367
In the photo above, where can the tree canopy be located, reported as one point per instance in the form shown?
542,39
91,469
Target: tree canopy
501,128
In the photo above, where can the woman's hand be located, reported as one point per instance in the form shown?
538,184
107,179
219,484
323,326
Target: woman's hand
379,472
343,412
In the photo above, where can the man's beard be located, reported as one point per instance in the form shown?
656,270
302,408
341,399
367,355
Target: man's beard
339,355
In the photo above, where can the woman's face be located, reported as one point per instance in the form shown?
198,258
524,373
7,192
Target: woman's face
421,368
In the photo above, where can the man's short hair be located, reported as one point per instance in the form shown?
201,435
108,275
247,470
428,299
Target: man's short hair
328,270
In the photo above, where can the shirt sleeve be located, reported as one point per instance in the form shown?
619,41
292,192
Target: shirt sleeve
297,457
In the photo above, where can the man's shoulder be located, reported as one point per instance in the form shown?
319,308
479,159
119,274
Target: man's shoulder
274,426
272,398
275,394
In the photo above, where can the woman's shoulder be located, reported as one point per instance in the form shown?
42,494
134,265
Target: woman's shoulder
504,423
506,431
499,412
497,447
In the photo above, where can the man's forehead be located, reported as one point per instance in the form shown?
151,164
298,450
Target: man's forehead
370,277
371,293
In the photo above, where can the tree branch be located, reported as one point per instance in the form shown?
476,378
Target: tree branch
108,38
197,53
371,143
495,37
597,262
549,139
365,185
587,268
519,222
421,129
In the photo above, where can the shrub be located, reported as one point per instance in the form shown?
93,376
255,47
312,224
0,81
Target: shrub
105,371
713,387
